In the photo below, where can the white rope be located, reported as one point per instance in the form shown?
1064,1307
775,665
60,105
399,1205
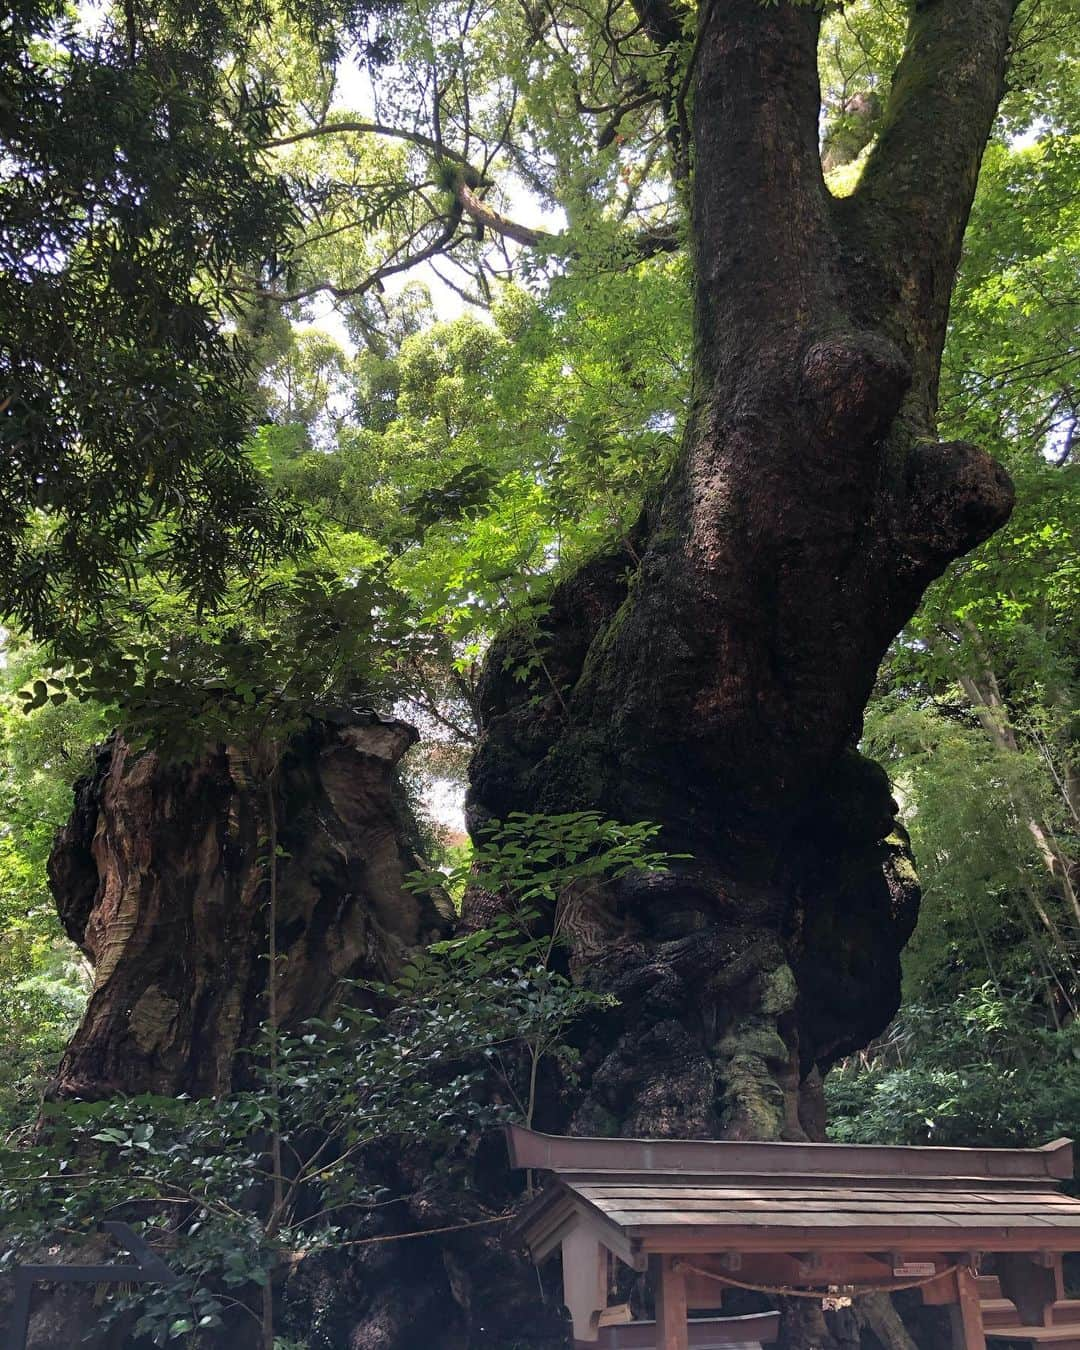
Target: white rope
830,1291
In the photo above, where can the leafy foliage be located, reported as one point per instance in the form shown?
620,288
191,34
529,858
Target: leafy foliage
42,976
985,1070
130,199
532,865
531,860
426,1061
236,1188
975,714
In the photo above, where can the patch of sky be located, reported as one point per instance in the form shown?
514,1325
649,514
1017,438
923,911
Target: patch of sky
355,92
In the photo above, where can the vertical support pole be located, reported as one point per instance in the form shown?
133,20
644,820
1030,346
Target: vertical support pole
1056,1265
20,1312
968,1333
584,1264
672,1332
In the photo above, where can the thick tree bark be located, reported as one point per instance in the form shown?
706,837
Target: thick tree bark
719,688
161,878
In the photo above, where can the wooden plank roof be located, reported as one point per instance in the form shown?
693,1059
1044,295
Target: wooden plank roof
711,1157
717,1196
745,1218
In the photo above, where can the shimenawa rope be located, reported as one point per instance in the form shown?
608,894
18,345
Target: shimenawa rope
402,1237
834,1291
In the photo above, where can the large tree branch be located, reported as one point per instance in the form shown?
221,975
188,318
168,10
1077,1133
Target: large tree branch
466,184
760,218
666,23
912,203
440,244
429,143
646,243
610,129
487,217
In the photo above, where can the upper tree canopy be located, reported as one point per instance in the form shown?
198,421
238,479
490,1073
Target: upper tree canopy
176,176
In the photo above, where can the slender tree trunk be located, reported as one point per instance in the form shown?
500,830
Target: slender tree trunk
984,694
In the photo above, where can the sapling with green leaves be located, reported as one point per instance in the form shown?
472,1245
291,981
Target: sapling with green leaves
533,864
237,1190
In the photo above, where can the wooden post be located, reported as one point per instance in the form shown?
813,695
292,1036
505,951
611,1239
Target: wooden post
968,1333
672,1332
1057,1266
585,1268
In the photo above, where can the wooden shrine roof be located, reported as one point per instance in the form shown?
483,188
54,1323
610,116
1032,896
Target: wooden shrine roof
676,1195
570,1153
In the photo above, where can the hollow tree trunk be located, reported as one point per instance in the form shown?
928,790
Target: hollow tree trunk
160,876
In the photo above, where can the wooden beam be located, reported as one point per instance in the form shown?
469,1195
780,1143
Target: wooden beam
1053,1262
546,1221
968,1332
781,1238
528,1148
739,1333
672,1331
1031,1283
941,1292
552,1239
611,1234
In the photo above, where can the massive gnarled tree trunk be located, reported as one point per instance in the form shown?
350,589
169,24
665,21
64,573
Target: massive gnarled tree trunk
719,687
161,878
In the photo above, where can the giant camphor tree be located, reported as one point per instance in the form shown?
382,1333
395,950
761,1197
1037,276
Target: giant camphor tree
711,672
719,687
708,669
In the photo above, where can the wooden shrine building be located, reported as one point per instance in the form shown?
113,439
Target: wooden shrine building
702,1217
